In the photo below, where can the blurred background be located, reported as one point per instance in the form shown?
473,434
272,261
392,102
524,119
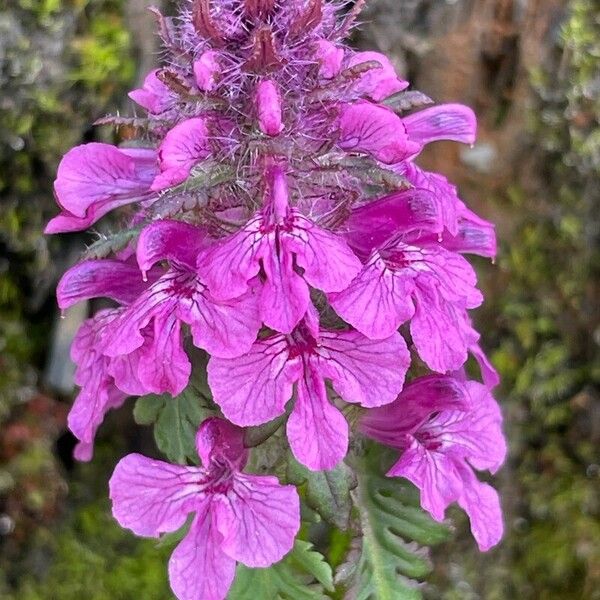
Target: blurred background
531,71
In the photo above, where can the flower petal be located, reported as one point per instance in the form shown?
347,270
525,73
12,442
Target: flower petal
371,225
98,175
378,83
183,147
154,96
172,241
441,332
258,519
316,430
206,69
113,279
198,568
254,388
368,372
377,301
284,297
434,473
328,262
481,502
268,104
375,130
152,497
454,122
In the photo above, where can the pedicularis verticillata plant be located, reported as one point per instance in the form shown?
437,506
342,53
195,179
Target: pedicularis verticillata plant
279,246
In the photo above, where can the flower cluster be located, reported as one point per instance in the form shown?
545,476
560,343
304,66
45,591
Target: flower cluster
278,221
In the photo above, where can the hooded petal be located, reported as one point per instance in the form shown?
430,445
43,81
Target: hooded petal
371,225
183,147
218,442
375,130
393,423
172,241
378,83
434,473
254,388
198,568
316,430
154,96
152,497
368,372
454,122
330,59
112,279
481,502
206,69
268,104
258,520
96,176
377,301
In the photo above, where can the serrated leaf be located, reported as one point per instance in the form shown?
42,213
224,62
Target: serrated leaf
301,575
313,562
396,533
327,492
176,422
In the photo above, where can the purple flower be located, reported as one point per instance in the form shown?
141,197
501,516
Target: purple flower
154,96
93,179
376,130
237,517
268,104
279,240
182,147
445,429
206,69
224,328
421,282
98,392
255,388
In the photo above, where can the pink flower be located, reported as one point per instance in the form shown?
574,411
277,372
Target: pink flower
377,83
421,282
206,69
93,179
237,517
224,328
278,240
376,130
268,104
255,388
154,96
182,147
445,429
98,392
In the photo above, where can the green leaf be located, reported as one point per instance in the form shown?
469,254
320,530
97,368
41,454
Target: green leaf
327,492
395,533
147,409
301,575
176,422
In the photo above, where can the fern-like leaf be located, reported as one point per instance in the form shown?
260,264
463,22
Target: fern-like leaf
391,557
